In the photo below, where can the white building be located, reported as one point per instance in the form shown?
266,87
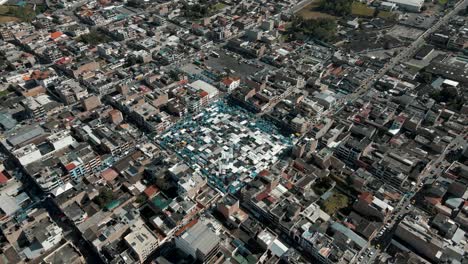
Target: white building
43,235
61,139
142,241
199,241
200,85
230,83
409,5
27,154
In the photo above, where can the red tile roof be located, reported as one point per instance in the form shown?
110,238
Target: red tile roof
187,226
433,200
70,166
151,190
367,196
203,93
228,80
55,34
109,174
3,178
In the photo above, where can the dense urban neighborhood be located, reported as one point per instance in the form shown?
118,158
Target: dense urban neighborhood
233,131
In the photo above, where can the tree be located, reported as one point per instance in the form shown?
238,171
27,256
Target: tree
94,38
105,196
322,29
140,199
336,7
426,77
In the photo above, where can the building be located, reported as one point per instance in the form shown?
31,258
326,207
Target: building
409,5
393,168
208,92
141,241
229,84
418,235
91,103
116,116
27,154
42,235
199,242
350,150
70,91
61,140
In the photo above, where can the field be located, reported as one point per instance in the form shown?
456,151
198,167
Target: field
385,14
217,7
6,19
310,11
362,10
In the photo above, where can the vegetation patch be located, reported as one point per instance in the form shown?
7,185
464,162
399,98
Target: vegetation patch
311,11
19,13
94,38
336,7
105,197
323,29
362,10
385,14
335,203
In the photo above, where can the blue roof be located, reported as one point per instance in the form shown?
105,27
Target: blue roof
6,121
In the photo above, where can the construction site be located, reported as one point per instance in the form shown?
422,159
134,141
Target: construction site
228,144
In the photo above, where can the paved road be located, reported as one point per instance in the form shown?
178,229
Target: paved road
299,6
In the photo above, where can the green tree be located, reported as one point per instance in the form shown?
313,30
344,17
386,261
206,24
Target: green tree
426,77
105,196
94,38
322,29
140,199
336,7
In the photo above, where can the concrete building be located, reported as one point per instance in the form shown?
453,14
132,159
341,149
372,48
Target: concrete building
199,242
91,103
230,83
116,116
42,236
61,139
409,5
204,87
141,241
418,235
27,154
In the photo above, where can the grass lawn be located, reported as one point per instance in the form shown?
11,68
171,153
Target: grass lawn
16,13
361,10
443,2
6,19
4,93
218,6
334,203
385,14
310,11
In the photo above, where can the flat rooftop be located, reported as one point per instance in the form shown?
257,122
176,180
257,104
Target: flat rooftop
65,254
